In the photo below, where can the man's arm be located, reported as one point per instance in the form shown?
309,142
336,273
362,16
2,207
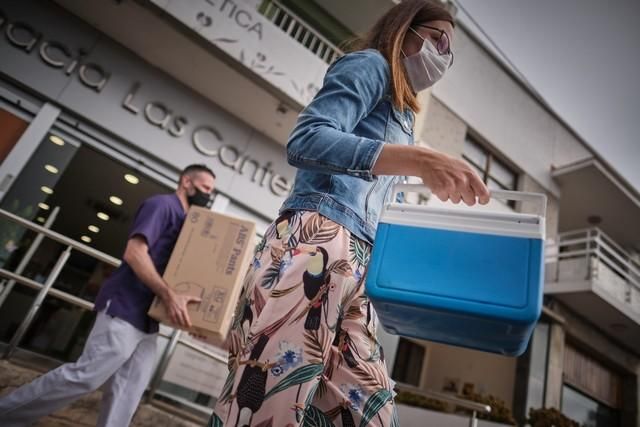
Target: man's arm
137,256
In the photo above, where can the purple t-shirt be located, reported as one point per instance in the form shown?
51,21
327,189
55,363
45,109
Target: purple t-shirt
158,220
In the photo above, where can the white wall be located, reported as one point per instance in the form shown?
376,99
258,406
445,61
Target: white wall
492,103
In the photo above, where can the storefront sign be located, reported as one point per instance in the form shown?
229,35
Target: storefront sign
89,74
56,55
208,140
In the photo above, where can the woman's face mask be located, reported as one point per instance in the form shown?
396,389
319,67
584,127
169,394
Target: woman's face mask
427,66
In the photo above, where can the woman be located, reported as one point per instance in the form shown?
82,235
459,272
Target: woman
303,347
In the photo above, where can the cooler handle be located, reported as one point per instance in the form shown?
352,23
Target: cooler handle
522,196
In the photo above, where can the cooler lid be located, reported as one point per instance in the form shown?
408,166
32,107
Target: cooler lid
470,220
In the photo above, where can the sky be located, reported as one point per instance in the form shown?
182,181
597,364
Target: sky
583,57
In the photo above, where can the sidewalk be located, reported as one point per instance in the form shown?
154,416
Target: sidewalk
84,412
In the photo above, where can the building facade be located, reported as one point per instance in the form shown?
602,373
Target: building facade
103,103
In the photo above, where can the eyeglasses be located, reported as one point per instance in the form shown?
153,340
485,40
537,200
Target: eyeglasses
443,44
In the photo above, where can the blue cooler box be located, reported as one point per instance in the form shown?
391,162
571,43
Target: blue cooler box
465,277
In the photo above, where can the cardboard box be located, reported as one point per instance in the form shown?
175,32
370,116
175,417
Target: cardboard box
209,261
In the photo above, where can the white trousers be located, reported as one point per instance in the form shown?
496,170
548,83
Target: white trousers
116,355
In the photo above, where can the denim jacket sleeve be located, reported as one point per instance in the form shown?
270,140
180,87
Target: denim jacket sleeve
322,139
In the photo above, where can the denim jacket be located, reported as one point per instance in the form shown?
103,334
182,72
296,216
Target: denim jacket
338,138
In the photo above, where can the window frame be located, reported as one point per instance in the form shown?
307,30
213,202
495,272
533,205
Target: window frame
401,364
491,158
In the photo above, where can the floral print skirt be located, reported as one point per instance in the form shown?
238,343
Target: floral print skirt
303,348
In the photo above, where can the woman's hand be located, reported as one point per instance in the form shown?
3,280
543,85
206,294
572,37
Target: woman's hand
451,179
447,177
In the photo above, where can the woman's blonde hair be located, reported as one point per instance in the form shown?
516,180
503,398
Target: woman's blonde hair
387,36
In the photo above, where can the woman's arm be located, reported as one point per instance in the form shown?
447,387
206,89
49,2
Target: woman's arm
447,177
323,138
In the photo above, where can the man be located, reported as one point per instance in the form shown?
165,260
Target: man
120,350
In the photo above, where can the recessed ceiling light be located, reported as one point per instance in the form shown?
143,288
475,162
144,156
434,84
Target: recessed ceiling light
103,216
56,140
43,206
594,219
86,239
51,168
131,179
46,189
40,219
94,229
115,200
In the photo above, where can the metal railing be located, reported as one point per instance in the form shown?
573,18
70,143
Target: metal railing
474,407
46,289
595,256
175,337
299,30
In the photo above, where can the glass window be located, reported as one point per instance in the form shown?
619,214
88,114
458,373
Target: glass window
492,184
408,364
502,174
29,195
493,171
587,411
477,170
475,154
539,349
81,194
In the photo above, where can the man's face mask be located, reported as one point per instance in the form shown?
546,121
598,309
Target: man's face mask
428,65
198,198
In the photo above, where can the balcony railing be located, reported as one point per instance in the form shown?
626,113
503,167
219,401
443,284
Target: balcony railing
590,255
299,30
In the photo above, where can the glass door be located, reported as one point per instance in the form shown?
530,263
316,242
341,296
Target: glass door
86,196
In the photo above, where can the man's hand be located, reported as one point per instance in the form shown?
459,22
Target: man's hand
137,256
176,306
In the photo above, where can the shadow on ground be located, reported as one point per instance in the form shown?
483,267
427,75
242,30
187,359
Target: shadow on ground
84,411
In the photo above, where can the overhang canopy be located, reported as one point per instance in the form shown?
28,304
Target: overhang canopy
594,196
